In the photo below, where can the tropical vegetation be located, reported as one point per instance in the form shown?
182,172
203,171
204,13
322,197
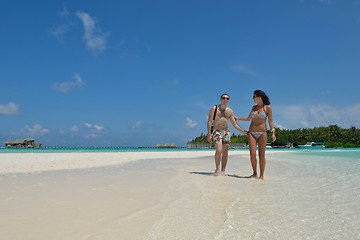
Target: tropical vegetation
332,136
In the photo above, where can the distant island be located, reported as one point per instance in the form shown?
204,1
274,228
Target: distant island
332,136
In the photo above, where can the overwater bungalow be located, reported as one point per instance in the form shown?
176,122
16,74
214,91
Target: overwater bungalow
166,145
22,143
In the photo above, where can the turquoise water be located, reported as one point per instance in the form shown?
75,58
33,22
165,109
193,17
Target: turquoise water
131,149
348,153
79,150
305,195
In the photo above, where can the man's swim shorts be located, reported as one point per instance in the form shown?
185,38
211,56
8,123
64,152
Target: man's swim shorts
222,136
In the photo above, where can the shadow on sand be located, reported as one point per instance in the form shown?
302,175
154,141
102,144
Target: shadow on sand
226,175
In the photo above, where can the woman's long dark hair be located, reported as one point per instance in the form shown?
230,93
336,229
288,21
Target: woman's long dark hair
263,96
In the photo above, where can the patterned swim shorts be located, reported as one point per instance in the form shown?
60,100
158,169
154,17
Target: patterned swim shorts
222,136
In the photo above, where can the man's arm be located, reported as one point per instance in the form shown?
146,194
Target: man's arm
236,126
211,116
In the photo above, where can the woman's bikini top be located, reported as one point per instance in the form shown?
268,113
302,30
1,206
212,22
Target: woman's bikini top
261,115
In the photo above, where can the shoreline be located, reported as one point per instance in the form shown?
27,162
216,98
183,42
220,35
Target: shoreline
173,195
37,162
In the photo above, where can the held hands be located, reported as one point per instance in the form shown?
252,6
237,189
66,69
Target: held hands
209,138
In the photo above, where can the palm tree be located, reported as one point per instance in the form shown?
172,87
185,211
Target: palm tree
334,131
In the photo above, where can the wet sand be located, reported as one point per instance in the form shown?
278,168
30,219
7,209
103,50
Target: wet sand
174,195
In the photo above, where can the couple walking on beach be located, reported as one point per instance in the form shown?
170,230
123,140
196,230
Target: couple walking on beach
218,130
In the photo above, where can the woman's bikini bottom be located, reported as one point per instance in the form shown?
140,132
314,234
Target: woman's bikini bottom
257,135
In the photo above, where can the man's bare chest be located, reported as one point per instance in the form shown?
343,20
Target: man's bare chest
223,113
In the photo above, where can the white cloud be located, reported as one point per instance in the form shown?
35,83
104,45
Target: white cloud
277,125
60,31
244,69
9,109
36,130
99,128
64,13
68,86
308,116
94,130
353,115
95,39
190,123
137,125
92,135
74,128
174,82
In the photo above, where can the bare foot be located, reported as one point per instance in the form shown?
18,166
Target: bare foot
254,175
216,173
261,177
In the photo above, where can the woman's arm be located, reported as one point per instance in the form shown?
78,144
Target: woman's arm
235,125
271,122
244,119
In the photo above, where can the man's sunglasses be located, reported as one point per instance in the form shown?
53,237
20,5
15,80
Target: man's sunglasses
225,98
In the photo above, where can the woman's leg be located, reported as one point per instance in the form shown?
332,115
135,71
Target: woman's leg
252,149
262,146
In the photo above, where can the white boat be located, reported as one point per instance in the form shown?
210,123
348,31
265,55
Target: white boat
314,144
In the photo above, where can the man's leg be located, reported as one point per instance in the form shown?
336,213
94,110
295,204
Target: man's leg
218,147
224,159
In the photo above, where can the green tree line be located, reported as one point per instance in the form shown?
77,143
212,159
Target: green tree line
331,136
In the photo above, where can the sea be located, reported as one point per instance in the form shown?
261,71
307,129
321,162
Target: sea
149,149
307,194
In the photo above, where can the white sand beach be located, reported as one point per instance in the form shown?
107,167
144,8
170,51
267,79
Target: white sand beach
173,195
38,162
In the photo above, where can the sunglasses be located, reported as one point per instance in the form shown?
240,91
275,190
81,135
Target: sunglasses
225,98
254,96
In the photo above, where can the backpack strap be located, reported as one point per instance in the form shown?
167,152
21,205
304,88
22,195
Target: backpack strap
215,112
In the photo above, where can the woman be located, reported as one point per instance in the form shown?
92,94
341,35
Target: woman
257,131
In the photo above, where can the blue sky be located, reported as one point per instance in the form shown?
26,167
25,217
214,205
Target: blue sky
129,73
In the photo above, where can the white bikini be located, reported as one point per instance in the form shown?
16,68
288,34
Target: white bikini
261,115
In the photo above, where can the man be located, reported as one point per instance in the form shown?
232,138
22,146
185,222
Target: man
221,133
